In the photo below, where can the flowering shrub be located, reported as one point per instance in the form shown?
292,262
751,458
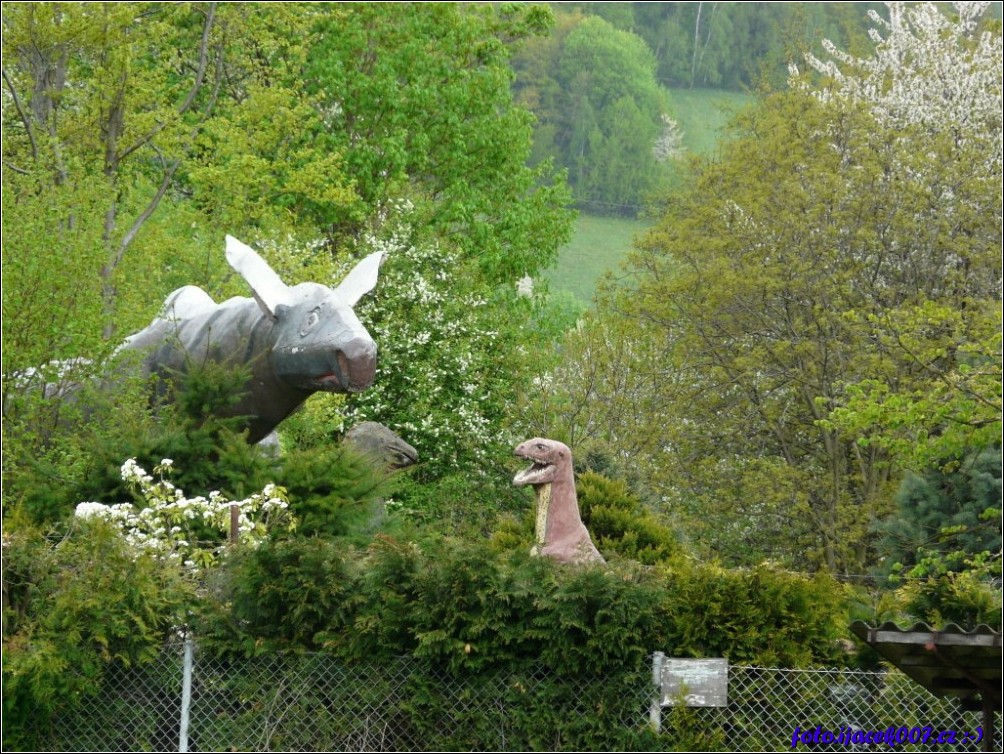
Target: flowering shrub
446,352
184,529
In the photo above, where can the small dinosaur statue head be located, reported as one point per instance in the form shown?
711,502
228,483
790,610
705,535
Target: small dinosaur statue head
550,461
381,445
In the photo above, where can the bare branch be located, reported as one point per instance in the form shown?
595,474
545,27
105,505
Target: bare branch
200,75
15,168
203,60
151,207
21,113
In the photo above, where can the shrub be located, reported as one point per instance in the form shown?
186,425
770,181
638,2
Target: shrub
619,523
466,607
76,606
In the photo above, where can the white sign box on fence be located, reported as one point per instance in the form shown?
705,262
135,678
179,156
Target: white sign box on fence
701,683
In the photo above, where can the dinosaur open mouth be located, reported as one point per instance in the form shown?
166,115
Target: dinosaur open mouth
538,473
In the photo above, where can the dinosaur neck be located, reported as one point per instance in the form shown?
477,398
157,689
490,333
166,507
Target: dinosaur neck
557,510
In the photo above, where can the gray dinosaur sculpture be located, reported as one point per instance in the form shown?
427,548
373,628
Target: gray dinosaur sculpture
296,340
382,446
560,533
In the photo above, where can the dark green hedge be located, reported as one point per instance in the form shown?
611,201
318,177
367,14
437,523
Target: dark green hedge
463,606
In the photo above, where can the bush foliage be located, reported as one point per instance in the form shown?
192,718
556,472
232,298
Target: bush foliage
73,607
466,607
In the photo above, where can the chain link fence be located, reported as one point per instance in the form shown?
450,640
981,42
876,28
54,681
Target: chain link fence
313,702
767,705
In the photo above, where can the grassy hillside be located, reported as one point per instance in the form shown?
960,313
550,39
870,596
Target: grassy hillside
599,243
702,113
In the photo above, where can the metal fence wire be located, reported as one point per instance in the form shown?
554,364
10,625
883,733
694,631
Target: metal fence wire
313,702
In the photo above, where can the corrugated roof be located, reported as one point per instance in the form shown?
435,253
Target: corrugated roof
949,661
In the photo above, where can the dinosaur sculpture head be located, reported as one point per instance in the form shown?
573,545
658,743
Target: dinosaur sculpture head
318,342
381,445
549,460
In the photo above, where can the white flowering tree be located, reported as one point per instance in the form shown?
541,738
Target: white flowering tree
188,530
669,144
928,69
934,80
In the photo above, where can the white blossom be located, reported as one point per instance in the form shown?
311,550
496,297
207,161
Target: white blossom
91,510
161,526
432,381
928,69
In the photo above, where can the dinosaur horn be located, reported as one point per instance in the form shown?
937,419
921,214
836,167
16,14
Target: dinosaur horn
269,290
361,280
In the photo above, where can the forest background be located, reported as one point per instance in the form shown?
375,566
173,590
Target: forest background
785,405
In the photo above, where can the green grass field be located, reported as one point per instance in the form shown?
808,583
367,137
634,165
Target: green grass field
599,244
702,113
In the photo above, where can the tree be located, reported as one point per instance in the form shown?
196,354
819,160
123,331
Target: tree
739,45
594,90
954,515
920,50
757,286
417,96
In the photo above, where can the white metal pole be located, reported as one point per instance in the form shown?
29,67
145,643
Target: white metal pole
186,695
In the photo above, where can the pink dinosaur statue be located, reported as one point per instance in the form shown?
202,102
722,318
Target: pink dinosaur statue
560,532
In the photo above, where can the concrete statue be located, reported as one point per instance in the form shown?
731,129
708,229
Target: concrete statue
560,533
296,340
381,446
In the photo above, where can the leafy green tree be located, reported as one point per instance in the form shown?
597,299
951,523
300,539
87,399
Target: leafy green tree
594,90
455,359
448,361
739,45
417,97
756,288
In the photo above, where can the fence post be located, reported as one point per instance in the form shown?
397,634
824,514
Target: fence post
655,711
186,695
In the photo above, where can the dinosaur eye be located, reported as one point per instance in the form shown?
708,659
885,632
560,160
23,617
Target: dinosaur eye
312,319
